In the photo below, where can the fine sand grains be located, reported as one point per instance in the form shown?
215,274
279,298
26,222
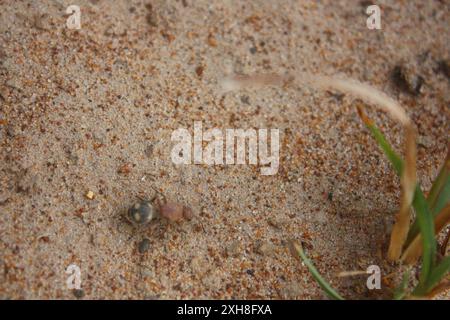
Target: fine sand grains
86,118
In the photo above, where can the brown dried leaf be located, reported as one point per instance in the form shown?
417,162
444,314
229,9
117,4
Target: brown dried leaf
408,183
414,250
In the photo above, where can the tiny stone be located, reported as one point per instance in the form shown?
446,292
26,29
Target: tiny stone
78,293
245,99
405,80
444,68
199,71
416,84
144,245
90,195
124,169
44,238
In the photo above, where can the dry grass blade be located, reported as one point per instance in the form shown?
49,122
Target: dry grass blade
353,87
408,178
414,250
345,274
364,92
437,198
440,184
392,156
377,98
408,181
237,82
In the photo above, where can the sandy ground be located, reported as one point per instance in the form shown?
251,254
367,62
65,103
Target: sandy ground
93,110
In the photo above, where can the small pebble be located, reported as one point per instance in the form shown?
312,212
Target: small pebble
144,245
444,68
199,71
124,169
78,293
251,272
245,99
406,81
89,195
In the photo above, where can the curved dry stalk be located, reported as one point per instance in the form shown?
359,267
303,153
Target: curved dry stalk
414,250
353,87
408,178
408,181
365,93
379,99
344,274
237,82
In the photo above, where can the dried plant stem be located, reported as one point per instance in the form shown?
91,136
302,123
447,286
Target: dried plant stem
408,177
401,227
344,274
379,99
414,250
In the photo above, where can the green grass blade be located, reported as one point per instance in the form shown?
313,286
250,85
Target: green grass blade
393,157
419,203
400,291
424,220
438,199
442,199
322,282
437,274
441,186
426,227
